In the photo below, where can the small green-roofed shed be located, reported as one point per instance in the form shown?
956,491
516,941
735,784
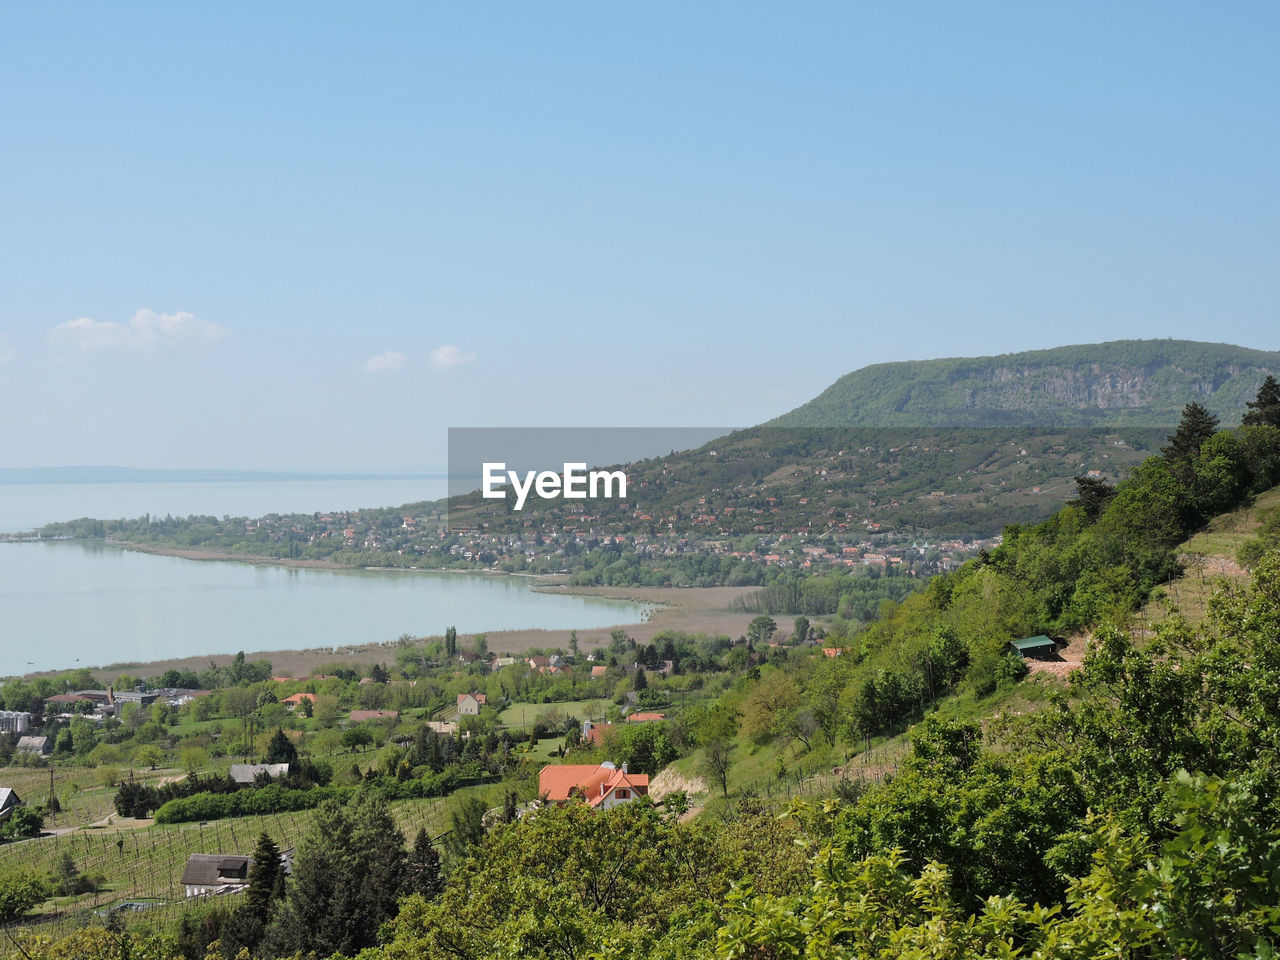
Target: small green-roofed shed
1038,646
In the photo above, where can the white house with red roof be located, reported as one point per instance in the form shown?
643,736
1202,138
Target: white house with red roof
602,787
469,704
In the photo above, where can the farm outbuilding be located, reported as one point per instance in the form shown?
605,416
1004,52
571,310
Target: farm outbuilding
1038,648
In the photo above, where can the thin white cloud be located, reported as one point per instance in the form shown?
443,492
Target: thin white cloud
385,362
7,355
146,332
447,356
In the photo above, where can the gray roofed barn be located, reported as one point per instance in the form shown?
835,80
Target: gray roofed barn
248,772
208,873
8,800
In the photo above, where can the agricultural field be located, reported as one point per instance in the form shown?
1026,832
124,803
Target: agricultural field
84,794
524,714
142,862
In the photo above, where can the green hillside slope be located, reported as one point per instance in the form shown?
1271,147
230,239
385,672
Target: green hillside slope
1124,382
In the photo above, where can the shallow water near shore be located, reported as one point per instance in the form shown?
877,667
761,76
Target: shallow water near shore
70,604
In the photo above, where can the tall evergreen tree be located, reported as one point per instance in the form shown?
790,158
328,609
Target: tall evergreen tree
1092,495
1265,409
264,878
1197,426
345,884
280,748
243,928
422,872
510,806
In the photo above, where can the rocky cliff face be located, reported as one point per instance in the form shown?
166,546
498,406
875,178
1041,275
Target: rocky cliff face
1114,389
1134,382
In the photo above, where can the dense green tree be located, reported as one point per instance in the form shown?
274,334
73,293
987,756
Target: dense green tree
422,870
800,632
150,755
644,747
346,879
1092,495
21,823
280,748
1221,478
19,892
134,799
571,882
355,737
997,822
1204,889
761,629
716,737
466,826
1197,426
245,927
266,879
1264,410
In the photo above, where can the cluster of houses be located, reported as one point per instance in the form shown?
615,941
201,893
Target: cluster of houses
784,522
107,703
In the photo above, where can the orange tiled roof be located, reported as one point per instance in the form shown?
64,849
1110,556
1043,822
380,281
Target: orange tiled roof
645,717
595,781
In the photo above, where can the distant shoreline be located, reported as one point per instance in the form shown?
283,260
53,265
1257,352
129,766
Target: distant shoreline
262,560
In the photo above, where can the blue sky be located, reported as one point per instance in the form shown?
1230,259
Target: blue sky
315,236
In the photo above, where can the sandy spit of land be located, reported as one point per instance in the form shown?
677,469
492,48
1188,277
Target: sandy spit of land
195,554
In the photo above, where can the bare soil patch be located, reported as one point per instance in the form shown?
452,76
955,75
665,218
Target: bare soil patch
1070,658
672,780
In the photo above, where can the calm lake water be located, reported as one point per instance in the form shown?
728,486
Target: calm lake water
66,604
